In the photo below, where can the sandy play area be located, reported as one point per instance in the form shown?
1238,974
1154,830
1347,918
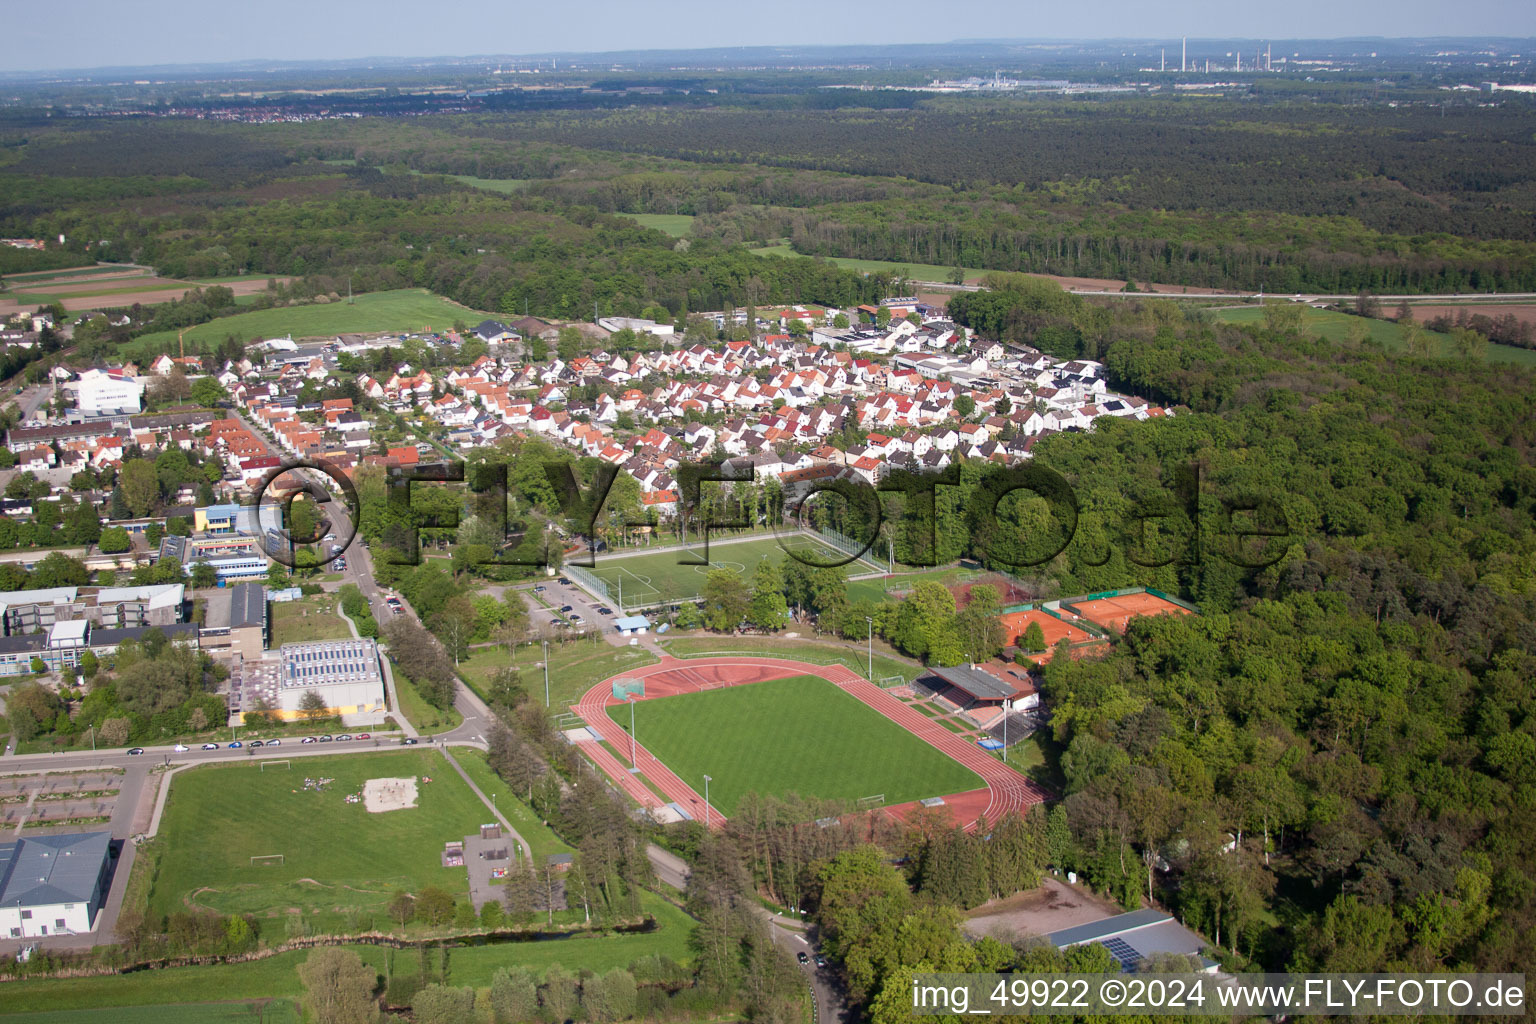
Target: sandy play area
389,794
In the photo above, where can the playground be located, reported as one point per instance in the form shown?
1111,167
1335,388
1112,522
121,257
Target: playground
650,579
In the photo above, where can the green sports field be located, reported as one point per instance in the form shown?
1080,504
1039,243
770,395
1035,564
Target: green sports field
675,224
338,857
653,579
800,735
1335,326
405,310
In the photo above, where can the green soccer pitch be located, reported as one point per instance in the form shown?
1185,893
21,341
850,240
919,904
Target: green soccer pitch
800,735
336,855
657,578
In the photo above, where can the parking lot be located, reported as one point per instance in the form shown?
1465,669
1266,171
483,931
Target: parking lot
584,613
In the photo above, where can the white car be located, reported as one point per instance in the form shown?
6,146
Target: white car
179,747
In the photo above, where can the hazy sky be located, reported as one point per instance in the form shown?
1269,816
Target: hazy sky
96,33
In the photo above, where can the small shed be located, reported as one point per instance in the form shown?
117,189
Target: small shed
631,625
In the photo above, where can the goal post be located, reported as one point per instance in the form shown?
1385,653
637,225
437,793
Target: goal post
273,764
866,803
268,860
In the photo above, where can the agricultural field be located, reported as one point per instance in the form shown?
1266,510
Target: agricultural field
657,578
678,225
404,310
110,286
337,856
800,735
1335,327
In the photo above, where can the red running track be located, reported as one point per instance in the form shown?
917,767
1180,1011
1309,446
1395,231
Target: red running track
1006,790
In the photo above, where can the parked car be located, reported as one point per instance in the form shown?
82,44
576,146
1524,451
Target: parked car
309,739
540,589
326,738
343,738
821,961
134,751
564,581
257,743
274,743
604,610
364,736
236,745
179,747
576,618
210,746
410,741
565,608
802,958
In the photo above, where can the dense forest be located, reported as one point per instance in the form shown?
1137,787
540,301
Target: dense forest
1270,194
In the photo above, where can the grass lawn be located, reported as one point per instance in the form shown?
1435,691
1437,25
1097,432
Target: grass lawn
675,224
274,1011
504,185
880,588
653,578
312,618
337,856
404,310
800,735
573,667
422,715
1335,327
799,650
529,826
916,271
278,975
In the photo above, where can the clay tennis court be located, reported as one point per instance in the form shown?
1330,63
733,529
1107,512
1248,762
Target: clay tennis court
1008,592
1114,612
1006,789
1015,623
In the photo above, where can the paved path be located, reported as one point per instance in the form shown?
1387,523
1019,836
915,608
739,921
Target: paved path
1006,790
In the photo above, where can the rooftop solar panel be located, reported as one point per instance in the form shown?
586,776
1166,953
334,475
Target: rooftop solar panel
1123,952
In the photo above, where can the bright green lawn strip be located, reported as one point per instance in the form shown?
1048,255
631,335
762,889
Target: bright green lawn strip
916,271
797,650
313,618
276,1011
422,715
648,578
799,735
337,855
278,975
404,310
574,668
675,224
1335,327
539,836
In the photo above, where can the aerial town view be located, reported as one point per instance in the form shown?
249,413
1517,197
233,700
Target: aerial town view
660,513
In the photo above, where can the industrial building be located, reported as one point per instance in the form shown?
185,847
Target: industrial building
53,885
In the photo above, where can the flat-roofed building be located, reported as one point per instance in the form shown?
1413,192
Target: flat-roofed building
235,620
347,675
